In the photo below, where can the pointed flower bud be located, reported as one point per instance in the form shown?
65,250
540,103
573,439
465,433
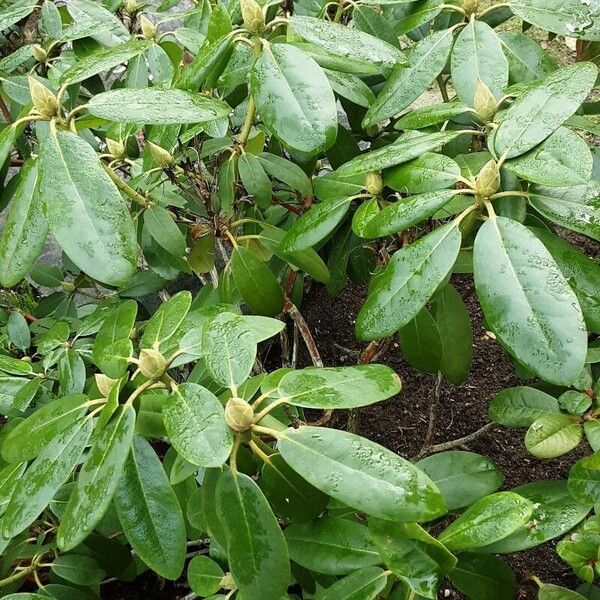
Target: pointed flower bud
38,53
488,180
254,19
470,6
148,28
239,414
484,102
161,157
131,6
115,148
152,363
104,384
373,183
43,99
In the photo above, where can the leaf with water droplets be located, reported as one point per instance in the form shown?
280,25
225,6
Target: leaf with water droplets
527,302
549,591
364,584
408,282
483,577
343,465
428,173
552,435
584,479
520,406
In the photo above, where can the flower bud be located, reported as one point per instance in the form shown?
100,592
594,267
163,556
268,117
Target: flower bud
484,101
43,99
254,20
148,28
488,180
373,183
239,414
115,148
104,384
152,363
470,6
68,286
161,157
38,53
228,583
131,6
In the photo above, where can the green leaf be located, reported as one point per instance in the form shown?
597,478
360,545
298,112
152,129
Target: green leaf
428,173
421,343
86,213
290,496
549,591
78,569
164,230
462,477
543,109
30,436
18,330
570,18
204,576
563,159
576,208
315,224
365,52
230,348
103,60
407,82
486,521
405,148
8,136
46,474
98,479
256,283
477,56
150,513
555,513
406,212
584,479
155,106
520,406
15,12
412,555
343,465
426,116
257,552
25,228
205,64
255,179
408,282
332,546
552,435
166,321
527,61
364,584
287,86
117,326
483,577
351,87
527,302
9,477
339,387
195,422
286,172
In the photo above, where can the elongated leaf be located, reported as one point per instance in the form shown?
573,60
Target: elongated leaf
117,326
25,229
563,159
364,584
553,434
407,82
544,108
488,520
366,52
343,465
195,422
577,207
155,106
520,406
462,477
288,86
78,569
9,477
98,479
351,87
421,343
428,173
406,212
584,479
103,60
331,546
527,301
315,225
205,64
477,56
549,591
256,283
48,472
483,577
255,179
339,387
85,211
166,321
258,556
286,171
409,280
431,115
15,12
150,513
527,61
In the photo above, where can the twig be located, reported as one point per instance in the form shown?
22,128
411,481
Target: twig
455,443
435,401
296,316
5,111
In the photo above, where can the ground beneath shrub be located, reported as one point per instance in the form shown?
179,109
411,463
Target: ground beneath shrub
401,424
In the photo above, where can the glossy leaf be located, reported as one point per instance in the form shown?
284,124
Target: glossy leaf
520,406
553,434
421,342
428,173
364,584
166,321
483,577
204,575
584,479
527,302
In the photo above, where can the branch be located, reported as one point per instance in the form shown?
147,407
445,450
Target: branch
455,443
4,110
